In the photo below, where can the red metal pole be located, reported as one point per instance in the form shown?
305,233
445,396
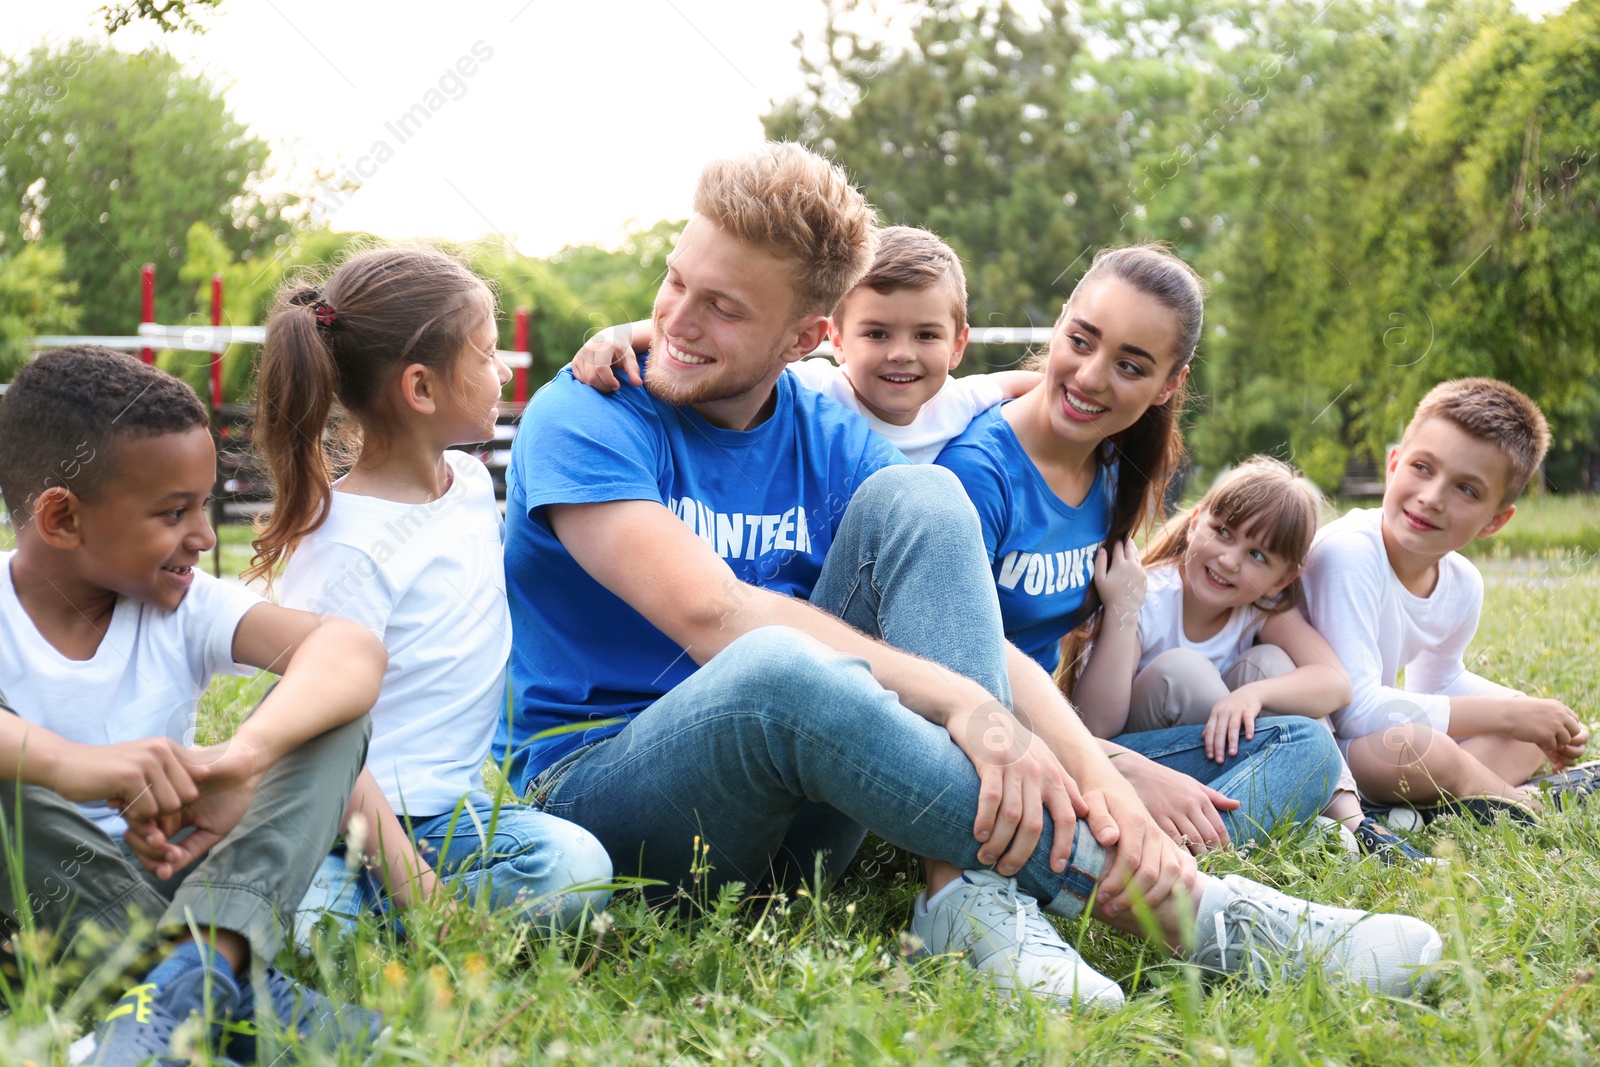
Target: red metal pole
216,352
147,305
519,342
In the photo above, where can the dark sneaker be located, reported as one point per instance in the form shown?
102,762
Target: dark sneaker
139,1028
1378,840
1571,786
1482,810
317,1022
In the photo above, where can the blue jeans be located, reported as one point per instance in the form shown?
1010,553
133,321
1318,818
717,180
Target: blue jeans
782,753
1284,776
545,869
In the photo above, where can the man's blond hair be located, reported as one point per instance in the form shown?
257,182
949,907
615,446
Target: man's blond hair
1491,411
793,203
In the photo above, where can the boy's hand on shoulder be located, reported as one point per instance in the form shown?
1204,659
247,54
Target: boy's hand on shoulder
611,347
145,779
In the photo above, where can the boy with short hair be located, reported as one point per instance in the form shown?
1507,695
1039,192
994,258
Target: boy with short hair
897,336
109,634
1390,591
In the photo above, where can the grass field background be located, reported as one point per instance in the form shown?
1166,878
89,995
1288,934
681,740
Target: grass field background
824,978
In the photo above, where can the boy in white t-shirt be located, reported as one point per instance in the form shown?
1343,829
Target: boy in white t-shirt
896,336
1390,592
109,633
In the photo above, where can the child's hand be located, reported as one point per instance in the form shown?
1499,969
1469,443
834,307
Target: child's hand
146,779
611,347
1549,724
231,772
1235,712
1119,578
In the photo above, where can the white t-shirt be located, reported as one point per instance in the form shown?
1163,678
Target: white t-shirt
1161,623
429,580
144,680
940,421
1378,627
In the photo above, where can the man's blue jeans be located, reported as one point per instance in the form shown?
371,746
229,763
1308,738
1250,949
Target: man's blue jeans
781,749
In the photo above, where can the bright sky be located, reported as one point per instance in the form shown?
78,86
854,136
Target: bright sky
577,118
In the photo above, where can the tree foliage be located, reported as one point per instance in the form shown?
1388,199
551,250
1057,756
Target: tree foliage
34,299
170,16
110,157
1335,171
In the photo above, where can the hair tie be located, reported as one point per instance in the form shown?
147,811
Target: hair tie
327,317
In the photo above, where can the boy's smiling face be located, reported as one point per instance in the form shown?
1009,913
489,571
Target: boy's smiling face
897,348
1444,489
143,533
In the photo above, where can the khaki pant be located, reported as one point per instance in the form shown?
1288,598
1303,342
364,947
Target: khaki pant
72,874
1180,687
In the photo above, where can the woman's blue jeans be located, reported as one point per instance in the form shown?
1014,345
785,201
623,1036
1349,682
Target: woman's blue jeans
781,750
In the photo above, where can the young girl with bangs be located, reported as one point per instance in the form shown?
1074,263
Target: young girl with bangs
1207,629
408,543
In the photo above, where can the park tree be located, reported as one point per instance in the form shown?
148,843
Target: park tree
110,157
168,16
971,127
1484,233
34,299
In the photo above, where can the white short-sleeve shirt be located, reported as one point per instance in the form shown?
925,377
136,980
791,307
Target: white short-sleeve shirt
145,680
940,421
429,580
1161,623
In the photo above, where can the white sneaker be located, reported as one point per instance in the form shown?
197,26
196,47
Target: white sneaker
1245,927
1000,931
1337,834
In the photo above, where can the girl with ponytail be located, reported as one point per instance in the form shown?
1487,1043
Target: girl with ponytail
400,343
1063,478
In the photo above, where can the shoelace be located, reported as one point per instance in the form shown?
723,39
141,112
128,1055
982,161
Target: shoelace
1261,919
1024,911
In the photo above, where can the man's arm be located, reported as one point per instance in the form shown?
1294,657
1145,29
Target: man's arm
645,555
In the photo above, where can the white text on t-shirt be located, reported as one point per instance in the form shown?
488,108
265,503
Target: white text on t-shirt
736,535
1044,573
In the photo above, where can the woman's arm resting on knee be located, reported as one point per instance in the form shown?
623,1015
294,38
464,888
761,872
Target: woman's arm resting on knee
1148,861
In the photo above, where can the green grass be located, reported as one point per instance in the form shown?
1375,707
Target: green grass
824,979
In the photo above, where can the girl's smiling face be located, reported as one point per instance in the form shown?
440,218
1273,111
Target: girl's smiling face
1114,355
1229,566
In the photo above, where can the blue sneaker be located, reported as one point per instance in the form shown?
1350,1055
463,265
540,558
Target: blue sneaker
319,1023
139,1029
1378,840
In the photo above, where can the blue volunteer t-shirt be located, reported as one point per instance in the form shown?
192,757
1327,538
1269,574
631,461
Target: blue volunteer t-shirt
1042,550
767,500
